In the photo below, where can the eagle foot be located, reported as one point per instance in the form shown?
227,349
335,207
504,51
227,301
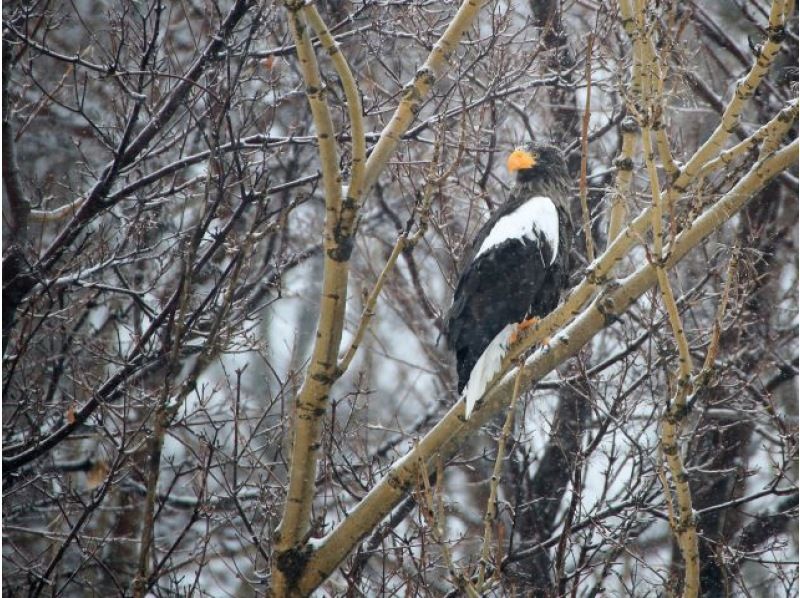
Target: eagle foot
522,327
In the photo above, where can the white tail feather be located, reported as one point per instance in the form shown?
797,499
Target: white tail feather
486,368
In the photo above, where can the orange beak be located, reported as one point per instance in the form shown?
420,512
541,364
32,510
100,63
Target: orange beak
520,160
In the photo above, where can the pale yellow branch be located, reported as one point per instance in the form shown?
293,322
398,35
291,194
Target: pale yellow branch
622,186
671,306
743,92
628,21
659,125
664,153
662,478
641,53
416,90
771,134
312,400
355,188
675,415
685,528
776,130
315,91
684,356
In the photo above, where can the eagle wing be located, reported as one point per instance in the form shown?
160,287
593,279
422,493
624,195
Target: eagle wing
512,271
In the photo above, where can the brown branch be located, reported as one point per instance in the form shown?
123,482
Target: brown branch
582,191
18,205
129,148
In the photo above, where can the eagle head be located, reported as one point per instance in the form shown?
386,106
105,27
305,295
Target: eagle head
539,163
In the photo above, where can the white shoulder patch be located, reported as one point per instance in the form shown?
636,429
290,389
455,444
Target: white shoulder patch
539,213
486,368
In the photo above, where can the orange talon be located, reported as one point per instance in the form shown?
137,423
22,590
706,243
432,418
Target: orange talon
521,327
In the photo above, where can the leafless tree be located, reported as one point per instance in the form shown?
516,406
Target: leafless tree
231,231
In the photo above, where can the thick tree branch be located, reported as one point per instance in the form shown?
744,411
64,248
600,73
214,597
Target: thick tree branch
311,402
622,185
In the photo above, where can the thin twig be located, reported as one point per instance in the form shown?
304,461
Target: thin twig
582,191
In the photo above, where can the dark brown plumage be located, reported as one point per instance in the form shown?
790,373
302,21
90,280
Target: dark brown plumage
517,265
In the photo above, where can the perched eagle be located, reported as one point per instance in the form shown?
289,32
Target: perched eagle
515,269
